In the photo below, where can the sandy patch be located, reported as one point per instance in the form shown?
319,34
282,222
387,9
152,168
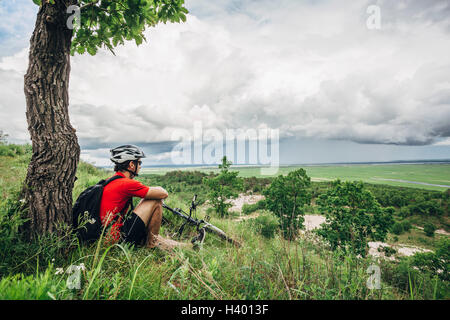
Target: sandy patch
244,199
401,250
313,221
442,231
438,231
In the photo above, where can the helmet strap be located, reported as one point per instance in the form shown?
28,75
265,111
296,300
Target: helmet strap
133,173
135,169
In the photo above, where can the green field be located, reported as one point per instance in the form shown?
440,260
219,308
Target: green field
438,175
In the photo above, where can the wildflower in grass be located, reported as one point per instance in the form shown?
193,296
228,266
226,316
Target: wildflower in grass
59,271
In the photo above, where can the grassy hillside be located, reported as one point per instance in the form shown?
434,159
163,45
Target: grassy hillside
263,268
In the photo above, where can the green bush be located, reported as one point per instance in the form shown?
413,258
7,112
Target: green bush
397,228
388,251
413,280
12,150
427,208
266,224
353,217
287,197
406,226
249,208
437,263
429,229
404,212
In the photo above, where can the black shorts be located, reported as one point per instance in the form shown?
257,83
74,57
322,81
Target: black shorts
134,230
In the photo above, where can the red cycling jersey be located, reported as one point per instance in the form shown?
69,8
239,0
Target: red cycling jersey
115,196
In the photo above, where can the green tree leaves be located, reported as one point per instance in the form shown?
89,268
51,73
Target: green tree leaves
353,216
108,23
286,197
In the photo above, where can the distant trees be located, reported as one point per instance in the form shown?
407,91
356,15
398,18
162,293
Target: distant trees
353,216
255,184
189,177
3,137
287,197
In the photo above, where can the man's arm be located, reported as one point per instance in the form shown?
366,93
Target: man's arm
156,193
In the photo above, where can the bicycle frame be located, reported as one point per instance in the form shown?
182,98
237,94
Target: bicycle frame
201,224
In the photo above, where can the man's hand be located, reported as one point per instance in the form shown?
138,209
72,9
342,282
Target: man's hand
156,193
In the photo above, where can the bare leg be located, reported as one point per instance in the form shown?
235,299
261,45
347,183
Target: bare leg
150,211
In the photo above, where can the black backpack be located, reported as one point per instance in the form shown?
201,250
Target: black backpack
86,212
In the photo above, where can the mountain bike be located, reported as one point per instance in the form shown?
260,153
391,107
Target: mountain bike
202,226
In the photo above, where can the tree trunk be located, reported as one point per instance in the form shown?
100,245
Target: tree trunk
51,172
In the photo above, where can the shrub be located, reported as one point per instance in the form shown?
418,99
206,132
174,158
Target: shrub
437,263
388,251
406,226
249,208
223,187
428,208
266,224
397,228
286,197
429,229
404,212
353,216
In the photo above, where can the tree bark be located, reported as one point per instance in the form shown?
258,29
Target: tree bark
51,172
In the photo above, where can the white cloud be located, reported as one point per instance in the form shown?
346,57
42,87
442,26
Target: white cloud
444,142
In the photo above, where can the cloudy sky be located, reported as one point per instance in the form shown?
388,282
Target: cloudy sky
336,86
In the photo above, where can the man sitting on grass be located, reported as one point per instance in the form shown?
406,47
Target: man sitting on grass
141,226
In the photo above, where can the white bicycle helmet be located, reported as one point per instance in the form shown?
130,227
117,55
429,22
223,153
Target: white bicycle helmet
125,153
